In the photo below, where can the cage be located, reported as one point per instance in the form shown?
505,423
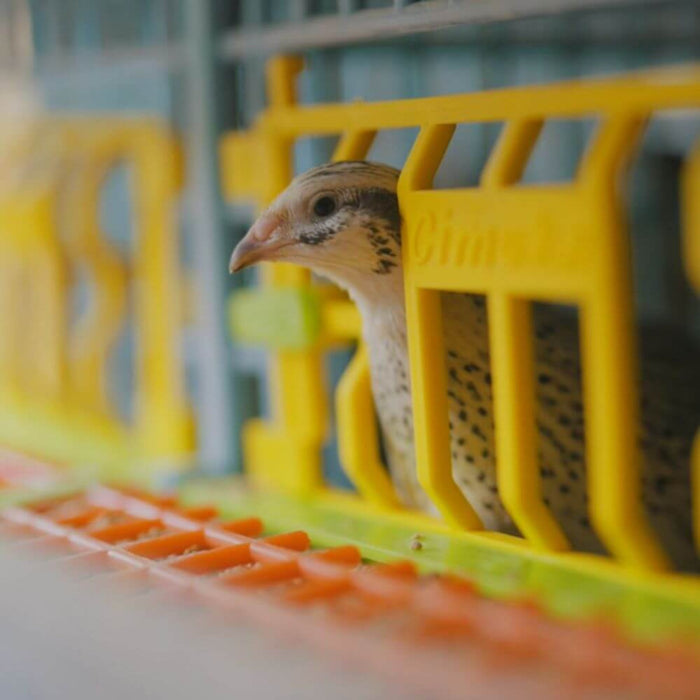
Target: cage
549,158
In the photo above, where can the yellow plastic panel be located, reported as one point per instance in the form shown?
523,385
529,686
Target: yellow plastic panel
53,234
163,421
511,242
556,243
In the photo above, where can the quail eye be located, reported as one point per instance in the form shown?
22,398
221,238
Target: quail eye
324,206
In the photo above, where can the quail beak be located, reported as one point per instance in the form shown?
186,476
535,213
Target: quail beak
259,244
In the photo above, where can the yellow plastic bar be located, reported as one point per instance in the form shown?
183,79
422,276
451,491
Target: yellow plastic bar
281,72
610,357
638,93
357,434
427,350
44,293
691,258
286,452
32,355
10,281
89,249
163,415
354,145
510,327
509,158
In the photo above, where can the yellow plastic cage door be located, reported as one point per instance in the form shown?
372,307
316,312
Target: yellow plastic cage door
514,243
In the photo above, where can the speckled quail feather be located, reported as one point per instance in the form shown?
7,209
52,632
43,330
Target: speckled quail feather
342,221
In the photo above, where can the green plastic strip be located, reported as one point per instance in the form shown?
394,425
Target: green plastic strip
284,317
20,495
566,584
68,439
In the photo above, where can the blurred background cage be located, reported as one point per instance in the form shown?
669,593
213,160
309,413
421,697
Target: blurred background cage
184,77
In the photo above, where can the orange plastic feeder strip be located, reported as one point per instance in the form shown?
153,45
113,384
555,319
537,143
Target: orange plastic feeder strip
431,632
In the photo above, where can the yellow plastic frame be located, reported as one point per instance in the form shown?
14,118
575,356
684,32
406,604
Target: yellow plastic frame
49,216
560,243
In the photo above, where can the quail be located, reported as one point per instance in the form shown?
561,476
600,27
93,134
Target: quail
342,221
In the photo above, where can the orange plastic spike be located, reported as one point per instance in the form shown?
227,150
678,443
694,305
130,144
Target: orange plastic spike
392,583
250,527
200,513
125,531
313,591
348,554
168,545
83,518
217,559
264,574
298,540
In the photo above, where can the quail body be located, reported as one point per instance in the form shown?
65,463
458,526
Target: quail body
342,220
